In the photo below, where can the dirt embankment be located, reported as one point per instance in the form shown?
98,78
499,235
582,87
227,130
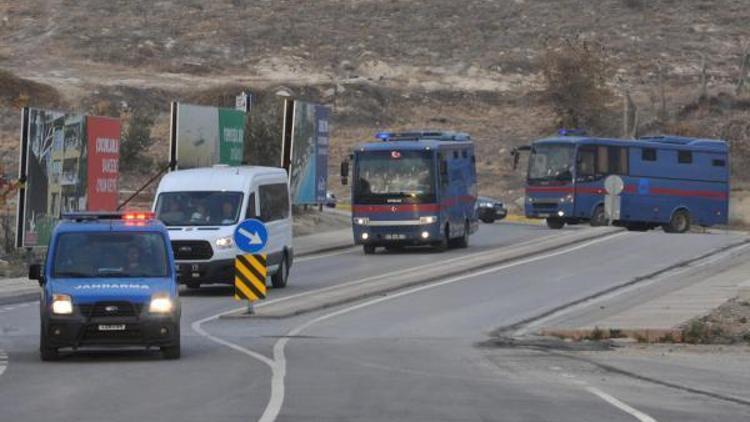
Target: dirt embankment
402,64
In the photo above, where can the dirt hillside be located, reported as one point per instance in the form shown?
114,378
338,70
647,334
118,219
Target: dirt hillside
468,65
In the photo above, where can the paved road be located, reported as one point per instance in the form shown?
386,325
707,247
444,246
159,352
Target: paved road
419,354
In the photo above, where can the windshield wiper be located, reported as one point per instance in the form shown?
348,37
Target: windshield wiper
73,274
144,275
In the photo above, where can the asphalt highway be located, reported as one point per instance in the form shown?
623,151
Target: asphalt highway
417,354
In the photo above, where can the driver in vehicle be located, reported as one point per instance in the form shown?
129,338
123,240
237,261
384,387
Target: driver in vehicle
227,213
174,213
133,264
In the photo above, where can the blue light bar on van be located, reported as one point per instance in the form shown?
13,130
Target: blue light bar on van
571,132
383,136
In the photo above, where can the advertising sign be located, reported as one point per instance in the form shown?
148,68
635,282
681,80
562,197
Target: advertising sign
103,143
70,164
308,168
209,135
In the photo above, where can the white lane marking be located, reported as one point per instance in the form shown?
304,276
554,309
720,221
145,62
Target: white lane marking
196,326
17,305
642,417
278,364
3,362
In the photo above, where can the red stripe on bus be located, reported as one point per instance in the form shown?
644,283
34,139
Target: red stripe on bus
630,189
367,209
692,193
419,208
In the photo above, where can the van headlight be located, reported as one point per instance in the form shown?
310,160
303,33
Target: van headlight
62,305
224,242
362,221
161,303
429,219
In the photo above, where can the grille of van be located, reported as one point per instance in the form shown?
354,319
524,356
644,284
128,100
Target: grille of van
111,309
192,249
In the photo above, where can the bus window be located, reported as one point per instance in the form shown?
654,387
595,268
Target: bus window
618,160
648,154
586,164
684,157
443,171
602,160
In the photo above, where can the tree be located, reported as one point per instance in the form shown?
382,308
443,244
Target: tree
575,74
136,140
266,120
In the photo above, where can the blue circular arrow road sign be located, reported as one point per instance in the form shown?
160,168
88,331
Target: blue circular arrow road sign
251,236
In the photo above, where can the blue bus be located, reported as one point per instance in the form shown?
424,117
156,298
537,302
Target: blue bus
414,188
669,181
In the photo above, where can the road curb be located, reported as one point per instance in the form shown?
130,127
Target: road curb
325,250
641,335
674,334
20,297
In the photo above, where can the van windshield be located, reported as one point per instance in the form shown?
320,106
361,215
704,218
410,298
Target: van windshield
199,208
110,254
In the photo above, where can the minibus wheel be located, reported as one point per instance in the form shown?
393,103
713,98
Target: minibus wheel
555,223
279,278
679,223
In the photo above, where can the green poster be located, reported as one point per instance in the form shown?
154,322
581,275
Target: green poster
231,136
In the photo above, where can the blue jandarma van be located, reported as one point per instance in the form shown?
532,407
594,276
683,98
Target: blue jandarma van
108,280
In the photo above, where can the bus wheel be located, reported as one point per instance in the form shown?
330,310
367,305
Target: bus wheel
598,218
555,223
463,241
369,249
442,244
680,222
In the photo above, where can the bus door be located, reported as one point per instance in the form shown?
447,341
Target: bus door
589,186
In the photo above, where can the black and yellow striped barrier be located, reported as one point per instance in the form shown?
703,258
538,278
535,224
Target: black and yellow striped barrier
250,277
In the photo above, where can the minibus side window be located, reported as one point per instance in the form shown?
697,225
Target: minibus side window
274,202
250,213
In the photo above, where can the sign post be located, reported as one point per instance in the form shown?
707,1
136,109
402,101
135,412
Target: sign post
614,186
251,269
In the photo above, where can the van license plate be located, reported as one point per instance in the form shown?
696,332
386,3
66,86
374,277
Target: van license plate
394,236
111,327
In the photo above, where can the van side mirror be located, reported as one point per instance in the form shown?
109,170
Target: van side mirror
35,273
443,168
344,172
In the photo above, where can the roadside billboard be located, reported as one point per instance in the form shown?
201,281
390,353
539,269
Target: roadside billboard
205,136
308,169
103,143
69,163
